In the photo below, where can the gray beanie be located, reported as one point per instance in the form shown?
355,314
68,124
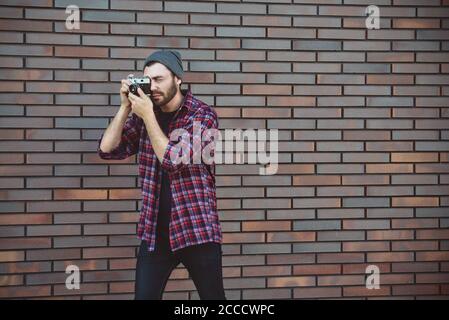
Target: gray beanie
170,58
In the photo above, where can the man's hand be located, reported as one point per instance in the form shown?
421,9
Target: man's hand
141,105
124,101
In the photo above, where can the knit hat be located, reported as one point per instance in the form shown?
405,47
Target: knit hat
170,58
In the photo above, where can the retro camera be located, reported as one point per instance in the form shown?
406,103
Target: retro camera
144,83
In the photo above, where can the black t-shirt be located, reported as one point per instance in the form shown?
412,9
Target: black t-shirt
162,235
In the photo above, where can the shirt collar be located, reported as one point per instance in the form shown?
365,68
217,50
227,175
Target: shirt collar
187,101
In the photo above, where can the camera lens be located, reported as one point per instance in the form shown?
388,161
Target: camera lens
133,88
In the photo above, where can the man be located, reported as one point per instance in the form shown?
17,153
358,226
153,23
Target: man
178,219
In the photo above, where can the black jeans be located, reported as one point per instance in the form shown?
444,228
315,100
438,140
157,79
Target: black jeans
202,261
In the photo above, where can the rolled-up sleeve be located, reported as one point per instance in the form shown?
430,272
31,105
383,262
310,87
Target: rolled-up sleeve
129,143
187,139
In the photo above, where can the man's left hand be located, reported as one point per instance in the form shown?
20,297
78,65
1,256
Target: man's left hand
141,105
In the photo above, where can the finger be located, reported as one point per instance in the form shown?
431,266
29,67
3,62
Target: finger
124,88
144,96
141,93
134,97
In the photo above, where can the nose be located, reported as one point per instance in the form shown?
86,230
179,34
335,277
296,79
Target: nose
153,86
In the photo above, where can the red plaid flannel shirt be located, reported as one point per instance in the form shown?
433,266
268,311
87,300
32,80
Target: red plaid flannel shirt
194,216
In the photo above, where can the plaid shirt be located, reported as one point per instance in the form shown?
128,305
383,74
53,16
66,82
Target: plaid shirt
194,216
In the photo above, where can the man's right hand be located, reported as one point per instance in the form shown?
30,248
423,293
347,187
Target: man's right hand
124,101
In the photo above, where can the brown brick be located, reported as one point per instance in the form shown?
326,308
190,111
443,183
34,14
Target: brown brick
341,280
366,246
414,245
266,112
53,254
414,223
390,57
68,51
51,38
108,252
288,101
243,237
313,180
25,267
340,257
415,290
366,224
7,256
53,230
416,23
356,291
26,291
290,236
266,294
25,243
268,90
290,258
432,256
360,268
414,157
414,267
317,269
266,20
375,168
24,25
390,235
258,271
266,203
63,194
266,225
432,234
53,87
44,218
415,201
309,293
389,256
296,281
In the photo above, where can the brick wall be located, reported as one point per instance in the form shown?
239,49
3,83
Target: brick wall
362,117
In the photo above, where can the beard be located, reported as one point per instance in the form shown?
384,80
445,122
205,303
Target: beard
165,97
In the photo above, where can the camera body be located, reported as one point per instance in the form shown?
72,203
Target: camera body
144,83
